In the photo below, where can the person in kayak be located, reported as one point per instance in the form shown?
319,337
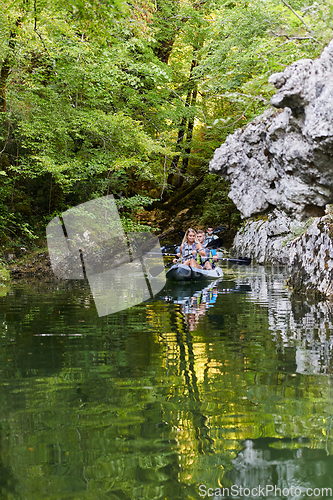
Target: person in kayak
190,248
210,254
210,236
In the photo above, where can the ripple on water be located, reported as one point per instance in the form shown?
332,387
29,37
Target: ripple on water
208,387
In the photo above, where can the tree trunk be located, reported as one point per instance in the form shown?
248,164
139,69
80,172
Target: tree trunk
189,136
180,196
168,9
5,69
180,140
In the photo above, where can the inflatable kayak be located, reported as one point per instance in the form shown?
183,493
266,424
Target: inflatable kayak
180,272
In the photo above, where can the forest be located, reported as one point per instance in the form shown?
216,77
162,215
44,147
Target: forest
132,98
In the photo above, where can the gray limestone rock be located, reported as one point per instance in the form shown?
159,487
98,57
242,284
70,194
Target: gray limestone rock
284,158
311,259
267,240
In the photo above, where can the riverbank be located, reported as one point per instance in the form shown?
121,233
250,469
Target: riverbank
4,279
37,263
4,274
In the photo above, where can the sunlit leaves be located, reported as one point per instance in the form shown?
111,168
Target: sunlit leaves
97,90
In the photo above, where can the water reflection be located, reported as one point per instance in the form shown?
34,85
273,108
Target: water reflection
297,322
286,468
144,404
196,298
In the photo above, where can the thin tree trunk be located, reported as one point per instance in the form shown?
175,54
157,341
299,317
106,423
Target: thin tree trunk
5,69
50,197
189,137
186,126
180,140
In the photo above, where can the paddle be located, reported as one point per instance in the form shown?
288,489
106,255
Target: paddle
241,261
219,229
155,271
217,243
246,261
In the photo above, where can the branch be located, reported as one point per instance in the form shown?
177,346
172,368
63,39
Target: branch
299,17
239,118
41,39
6,141
167,233
241,94
171,90
35,27
182,194
295,37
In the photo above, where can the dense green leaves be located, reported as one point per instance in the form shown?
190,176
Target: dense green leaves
133,98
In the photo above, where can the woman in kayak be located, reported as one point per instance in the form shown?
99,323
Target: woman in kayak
189,249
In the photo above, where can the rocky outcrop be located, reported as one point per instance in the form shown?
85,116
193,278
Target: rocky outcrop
38,265
304,248
267,239
281,165
283,159
311,259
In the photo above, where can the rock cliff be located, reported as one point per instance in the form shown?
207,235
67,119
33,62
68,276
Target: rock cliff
283,159
281,165
311,259
305,248
267,240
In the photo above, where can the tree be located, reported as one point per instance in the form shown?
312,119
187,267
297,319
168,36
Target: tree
132,98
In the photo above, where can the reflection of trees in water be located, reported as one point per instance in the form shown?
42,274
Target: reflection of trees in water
143,403
7,479
187,370
297,322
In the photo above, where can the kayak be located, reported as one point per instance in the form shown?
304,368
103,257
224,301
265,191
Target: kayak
180,272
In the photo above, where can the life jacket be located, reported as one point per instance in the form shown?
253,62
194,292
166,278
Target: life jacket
209,257
209,254
208,239
187,251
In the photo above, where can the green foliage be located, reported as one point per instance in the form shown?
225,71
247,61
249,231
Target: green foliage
137,201
4,279
129,208
217,206
248,43
133,98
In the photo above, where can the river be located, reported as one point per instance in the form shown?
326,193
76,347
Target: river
216,392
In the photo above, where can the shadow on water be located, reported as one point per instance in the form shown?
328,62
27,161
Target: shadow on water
217,385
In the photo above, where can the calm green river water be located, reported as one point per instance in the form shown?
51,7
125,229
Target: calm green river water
209,393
